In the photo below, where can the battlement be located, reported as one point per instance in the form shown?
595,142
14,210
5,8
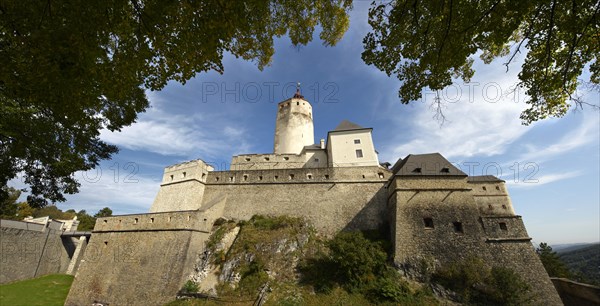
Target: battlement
302,175
191,220
191,170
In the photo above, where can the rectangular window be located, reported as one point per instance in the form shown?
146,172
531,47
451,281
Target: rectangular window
458,227
503,226
356,141
359,153
428,222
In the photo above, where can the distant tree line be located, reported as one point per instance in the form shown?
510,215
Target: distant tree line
11,209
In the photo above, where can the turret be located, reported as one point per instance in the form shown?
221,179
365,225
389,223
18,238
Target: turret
294,126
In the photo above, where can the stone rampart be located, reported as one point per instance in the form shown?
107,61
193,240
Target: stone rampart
437,220
149,256
576,294
332,199
29,250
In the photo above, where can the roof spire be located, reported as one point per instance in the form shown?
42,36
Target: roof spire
298,95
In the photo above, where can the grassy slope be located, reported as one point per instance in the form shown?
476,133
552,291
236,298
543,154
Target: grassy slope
45,290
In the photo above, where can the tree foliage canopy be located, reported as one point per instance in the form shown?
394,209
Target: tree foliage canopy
69,69
428,43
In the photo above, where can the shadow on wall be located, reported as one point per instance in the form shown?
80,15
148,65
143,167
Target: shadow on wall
372,216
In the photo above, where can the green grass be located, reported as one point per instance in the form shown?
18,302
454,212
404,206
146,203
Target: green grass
46,290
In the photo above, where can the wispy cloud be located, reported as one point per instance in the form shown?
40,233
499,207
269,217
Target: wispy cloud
481,121
190,135
588,131
544,179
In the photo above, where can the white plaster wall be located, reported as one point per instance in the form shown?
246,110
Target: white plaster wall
294,126
342,149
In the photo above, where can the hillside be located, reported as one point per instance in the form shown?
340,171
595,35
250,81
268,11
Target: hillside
284,261
584,262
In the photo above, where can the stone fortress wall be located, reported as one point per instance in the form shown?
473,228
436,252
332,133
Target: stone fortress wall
434,211
31,250
142,259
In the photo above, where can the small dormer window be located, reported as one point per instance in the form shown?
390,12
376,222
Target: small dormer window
417,170
445,170
356,141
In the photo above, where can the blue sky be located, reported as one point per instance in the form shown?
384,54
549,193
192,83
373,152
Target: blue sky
551,167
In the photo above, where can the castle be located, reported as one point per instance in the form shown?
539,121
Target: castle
435,213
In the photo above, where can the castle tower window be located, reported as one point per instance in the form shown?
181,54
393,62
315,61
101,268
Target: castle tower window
135,220
171,177
231,178
458,227
169,219
503,226
105,243
359,153
490,207
380,174
497,187
245,177
203,175
276,177
363,176
417,170
326,176
445,170
105,221
260,177
428,222
309,176
183,175
356,141
297,103
291,176
151,220
217,178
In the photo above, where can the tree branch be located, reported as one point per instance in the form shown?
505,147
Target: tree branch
485,14
525,37
548,39
445,34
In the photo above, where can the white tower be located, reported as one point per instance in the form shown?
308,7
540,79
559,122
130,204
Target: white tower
294,127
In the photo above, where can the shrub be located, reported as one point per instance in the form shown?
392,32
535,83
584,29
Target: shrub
190,287
476,283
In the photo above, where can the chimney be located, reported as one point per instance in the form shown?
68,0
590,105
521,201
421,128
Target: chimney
322,143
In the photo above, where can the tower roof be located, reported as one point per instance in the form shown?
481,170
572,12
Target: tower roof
347,126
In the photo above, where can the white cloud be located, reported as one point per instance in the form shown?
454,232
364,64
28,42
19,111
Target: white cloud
584,134
479,123
544,179
168,133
